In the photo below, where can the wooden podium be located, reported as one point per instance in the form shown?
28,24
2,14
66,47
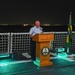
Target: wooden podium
42,49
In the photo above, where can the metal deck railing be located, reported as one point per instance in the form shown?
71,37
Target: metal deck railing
20,42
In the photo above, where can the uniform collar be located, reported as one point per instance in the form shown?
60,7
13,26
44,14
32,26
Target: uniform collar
36,27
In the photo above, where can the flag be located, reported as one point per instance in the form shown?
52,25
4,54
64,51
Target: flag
69,35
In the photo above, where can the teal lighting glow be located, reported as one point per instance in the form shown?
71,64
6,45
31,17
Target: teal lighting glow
61,49
63,55
3,64
37,62
4,55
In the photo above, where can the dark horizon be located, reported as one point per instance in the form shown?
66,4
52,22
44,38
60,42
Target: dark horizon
47,11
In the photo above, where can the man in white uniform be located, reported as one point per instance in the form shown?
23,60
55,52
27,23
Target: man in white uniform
33,31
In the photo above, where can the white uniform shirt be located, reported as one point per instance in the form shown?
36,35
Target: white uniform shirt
35,30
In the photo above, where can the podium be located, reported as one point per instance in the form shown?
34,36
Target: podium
42,49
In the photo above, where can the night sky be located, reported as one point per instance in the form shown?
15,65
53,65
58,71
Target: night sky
47,11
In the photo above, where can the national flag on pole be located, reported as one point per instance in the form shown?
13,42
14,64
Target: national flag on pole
69,36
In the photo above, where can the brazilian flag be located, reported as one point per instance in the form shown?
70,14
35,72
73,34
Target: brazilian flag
69,35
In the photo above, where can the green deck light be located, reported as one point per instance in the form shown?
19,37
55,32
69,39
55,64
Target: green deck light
4,55
37,62
63,55
61,49
3,64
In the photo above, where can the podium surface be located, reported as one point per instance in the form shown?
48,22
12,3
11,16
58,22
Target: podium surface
42,49
43,37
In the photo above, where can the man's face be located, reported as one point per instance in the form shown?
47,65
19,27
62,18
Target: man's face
37,23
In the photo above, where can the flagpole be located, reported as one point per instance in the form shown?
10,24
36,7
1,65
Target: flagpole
69,36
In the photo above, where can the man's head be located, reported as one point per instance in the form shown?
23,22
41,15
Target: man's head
37,23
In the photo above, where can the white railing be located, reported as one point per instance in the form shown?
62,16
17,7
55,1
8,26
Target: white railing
20,42
4,42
